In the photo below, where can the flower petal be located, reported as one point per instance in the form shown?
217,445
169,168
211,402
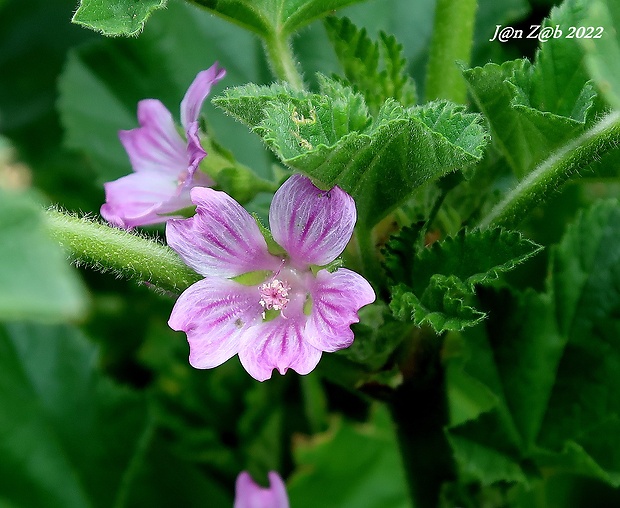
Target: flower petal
336,299
278,344
195,151
222,239
250,495
197,92
138,199
214,314
312,225
155,146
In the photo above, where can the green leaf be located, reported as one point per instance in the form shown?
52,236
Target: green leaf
36,279
75,439
269,17
551,360
534,109
445,304
66,427
116,17
331,138
377,69
603,54
324,475
586,282
438,287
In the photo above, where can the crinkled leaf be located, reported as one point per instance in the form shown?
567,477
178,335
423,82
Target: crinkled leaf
324,474
524,134
533,110
438,287
268,17
116,17
445,304
551,361
475,257
36,279
376,69
331,138
603,54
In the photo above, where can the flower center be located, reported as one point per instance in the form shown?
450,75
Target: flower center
274,294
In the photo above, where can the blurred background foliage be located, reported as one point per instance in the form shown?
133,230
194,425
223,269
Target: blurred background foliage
99,405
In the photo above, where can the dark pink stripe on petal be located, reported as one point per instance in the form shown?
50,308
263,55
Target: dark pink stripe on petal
336,299
197,92
222,239
214,314
314,226
278,344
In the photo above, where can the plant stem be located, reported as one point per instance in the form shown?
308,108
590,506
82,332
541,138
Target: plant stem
419,410
281,58
551,174
452,41
126,254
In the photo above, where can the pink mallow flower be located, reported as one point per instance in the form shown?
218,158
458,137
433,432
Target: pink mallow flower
281,314
250,495
164,163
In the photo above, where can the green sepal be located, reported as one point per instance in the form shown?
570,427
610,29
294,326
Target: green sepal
330,267
252,278
272,245
234,178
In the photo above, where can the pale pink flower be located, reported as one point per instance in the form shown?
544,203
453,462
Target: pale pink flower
250,495
164,164
282,314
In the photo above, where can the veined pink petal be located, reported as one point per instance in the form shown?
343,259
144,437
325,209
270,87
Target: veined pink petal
195,151
312,225
222,239
336,299
138,198
197,92
278,344
156,145
250,495
214,313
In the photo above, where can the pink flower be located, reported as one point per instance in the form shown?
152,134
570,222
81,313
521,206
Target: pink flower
250,495
280,314
164,164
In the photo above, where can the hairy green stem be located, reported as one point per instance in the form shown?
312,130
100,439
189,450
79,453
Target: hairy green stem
282,60
550,175
452,41
126,254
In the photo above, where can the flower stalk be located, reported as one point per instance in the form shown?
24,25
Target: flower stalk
282,60
451,42
551,174
114,250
